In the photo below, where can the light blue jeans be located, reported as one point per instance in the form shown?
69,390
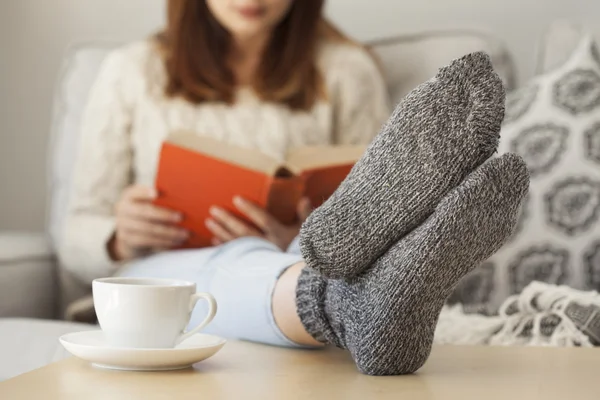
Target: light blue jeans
241,275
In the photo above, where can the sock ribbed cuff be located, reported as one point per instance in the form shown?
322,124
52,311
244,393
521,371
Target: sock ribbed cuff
310,303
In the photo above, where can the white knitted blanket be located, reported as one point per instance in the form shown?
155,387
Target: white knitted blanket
542,315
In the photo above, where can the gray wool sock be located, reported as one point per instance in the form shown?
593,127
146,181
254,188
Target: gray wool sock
440,132
386,317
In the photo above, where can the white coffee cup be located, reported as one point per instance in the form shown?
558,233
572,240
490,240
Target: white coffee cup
147,313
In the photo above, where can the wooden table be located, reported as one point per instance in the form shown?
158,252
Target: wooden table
250,371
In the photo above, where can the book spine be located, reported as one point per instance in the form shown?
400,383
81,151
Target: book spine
266,189
283,197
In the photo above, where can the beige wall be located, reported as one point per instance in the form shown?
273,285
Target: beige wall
35,33
518,22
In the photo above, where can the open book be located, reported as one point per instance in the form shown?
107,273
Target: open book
195,173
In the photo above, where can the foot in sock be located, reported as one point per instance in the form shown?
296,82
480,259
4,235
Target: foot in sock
441,132
386,316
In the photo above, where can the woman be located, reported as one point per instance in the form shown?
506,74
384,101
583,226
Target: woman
273,75
270,75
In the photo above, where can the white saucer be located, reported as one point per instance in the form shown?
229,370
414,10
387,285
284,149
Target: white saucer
90,346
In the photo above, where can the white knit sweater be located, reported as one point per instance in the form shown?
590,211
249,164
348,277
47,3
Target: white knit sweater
128,117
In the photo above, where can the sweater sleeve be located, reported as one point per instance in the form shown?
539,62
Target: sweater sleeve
102,170
361,103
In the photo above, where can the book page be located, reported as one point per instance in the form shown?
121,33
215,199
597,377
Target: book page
236,155
307,158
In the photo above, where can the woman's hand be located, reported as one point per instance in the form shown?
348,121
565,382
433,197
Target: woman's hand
143,227
226,227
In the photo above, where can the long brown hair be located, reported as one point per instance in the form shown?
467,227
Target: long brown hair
195,47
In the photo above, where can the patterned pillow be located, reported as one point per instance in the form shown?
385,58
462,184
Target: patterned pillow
554,124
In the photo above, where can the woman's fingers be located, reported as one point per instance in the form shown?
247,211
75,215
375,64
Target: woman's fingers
140,240
139,193
149,229
235,226
142,226
136,203
150,212
221,234
257,215
274,231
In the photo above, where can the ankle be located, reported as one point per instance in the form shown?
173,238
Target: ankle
285,311
311,293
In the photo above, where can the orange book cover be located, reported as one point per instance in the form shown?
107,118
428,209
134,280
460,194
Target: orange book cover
195,173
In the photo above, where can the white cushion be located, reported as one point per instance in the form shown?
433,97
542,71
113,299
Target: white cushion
27,344
557,44
79,71
16,246
80,67
410,60
27,276
554,124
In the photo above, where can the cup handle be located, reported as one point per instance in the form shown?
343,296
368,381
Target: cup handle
212,310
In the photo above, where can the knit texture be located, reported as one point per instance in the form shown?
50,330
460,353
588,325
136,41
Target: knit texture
386,317
417,213
441,131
